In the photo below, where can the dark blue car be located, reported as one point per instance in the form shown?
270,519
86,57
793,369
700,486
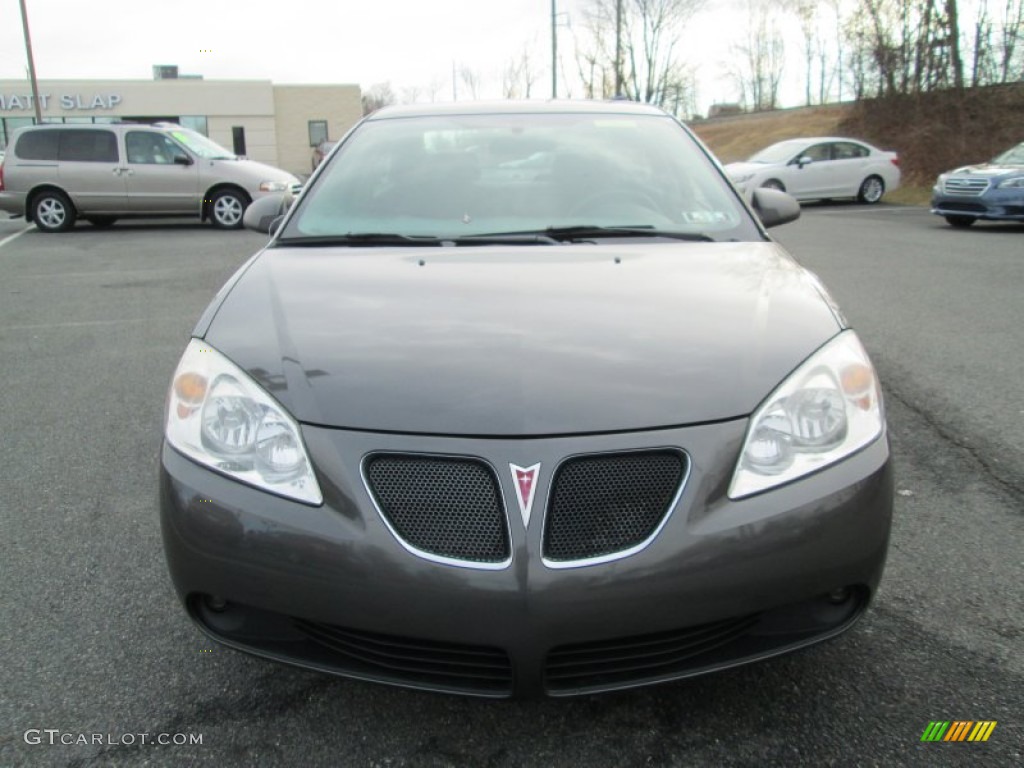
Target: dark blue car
993,191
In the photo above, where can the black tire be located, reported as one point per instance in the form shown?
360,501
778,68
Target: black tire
871,190
774,184
227,208
961,222
53,212
101,221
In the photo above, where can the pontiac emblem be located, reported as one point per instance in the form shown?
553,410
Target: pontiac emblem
525,481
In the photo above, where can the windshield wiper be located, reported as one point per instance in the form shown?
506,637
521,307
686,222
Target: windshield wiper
389,238
587,231
362,239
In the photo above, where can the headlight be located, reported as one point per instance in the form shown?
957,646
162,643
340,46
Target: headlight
827,409
219,417
1015,183
742,177
275,186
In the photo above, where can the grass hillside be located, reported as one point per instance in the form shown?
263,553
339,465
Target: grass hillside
932,132
737,137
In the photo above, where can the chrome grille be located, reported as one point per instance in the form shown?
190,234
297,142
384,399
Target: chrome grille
606,504
441,506
966,186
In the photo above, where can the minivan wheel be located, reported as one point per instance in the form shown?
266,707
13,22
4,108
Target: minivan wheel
53,212
871,190
101,221
227,207
960,221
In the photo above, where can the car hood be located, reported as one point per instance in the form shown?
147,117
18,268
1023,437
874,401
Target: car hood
741,169
988,170
533,340
252,169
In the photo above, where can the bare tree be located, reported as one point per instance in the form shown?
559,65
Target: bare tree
519,76
376,96
759,59
651,69
437,84
471,79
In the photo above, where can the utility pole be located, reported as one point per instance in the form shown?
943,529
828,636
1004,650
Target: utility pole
554,50
32,64
618,48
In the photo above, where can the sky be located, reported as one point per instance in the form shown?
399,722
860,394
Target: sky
412,44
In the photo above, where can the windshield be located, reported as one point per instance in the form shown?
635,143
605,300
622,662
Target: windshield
200,145
1013,156
456,176
782,152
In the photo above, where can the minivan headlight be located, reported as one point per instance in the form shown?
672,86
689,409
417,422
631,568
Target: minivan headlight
827,409
218,416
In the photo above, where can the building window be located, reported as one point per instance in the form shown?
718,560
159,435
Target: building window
196,122
317,132
238,140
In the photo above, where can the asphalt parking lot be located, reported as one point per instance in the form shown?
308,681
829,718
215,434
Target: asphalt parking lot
94,642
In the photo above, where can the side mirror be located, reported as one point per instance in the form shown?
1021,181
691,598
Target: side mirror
775,207
182,160
805,160
265,214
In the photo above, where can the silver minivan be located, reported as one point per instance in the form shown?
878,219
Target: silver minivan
55,174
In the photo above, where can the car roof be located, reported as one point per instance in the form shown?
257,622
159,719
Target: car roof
818,139
514,107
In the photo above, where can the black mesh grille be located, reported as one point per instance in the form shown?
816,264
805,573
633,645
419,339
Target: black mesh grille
445,506
965,207
451,666
636,659
609,503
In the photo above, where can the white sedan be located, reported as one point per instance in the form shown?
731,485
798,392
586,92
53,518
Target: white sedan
819,168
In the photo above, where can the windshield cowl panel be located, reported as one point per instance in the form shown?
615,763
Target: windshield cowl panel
564,176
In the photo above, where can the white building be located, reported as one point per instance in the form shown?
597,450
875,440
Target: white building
275,124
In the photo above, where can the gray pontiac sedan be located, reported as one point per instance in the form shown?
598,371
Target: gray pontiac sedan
520,399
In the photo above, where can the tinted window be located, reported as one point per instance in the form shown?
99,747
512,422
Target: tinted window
847,150
37,145
88,146
150,148
817,153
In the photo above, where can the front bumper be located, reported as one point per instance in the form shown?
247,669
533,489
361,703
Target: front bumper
12,203
723,583
993,205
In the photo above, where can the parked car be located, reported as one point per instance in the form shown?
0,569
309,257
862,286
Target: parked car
492,433
820,168
320,151
992,191
55,174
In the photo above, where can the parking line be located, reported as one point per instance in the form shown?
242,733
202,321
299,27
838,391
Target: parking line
866,209
8,239
87,323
